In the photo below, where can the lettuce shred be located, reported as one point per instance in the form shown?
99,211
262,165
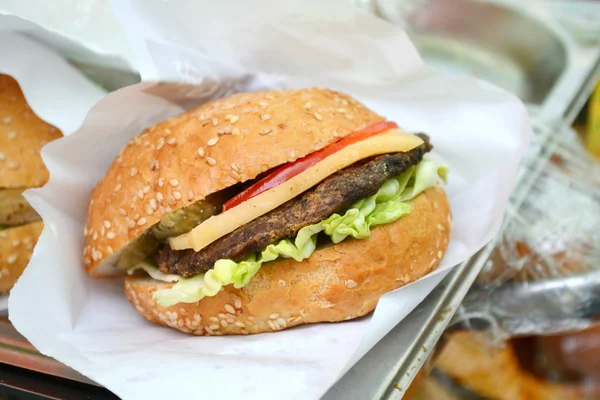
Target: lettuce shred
387,205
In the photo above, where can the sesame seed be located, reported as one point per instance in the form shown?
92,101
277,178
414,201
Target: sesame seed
161,182
240,324
345,102
26,239
11,135
12,165
237,302
201,151
274,316
190,195
229,308
211,161
235,167
265,117
281,283
148,210
293,154
230,320
102,231
122,212
146,189
233,119
141,221
7,119
172,141
197,318
130,224
308,105
222,316
177,195
154,165
118,187
235,131
214,319
2,157
171,200
161,143
153,204
95,235
441,228
174,182
273,325
281,322
341,110
318,116
110,249
214,327
265,131
349,116
15,243
106,224
110,235
227,130
251,318
440,254
133,171
98,254
159,196
212,142
215,121
168,209
224,323
263,104
202,117
140,194
350,284
136,216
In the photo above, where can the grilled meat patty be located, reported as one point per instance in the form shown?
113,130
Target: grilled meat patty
334,194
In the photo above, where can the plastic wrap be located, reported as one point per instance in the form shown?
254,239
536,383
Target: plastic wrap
544,273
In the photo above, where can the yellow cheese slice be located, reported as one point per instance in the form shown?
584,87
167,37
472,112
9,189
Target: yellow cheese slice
215,227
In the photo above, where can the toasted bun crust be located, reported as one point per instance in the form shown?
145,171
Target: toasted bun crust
16,246
336,283
22,135
204,150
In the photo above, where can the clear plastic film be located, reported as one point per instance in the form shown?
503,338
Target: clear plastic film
543,275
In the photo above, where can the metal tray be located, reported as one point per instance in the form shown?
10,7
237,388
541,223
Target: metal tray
530,56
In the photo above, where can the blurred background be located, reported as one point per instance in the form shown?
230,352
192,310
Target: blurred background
527,328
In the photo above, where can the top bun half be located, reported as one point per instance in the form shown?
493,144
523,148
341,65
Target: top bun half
22,135
204,150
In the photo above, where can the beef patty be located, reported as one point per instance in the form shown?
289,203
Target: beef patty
334,194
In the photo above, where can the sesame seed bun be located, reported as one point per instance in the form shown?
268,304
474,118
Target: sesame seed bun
204,150
22,135
16,246
336,283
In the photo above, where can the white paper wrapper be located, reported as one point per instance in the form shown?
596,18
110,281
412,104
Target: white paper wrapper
55,91
218,48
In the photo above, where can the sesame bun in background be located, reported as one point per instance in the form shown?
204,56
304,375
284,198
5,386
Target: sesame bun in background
224,147
22,135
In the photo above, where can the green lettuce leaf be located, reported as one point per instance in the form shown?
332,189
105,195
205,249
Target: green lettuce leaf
387,205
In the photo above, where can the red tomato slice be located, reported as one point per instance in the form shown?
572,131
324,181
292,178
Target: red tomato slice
287,171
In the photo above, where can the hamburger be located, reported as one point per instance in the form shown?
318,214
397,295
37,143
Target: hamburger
263,211
22,135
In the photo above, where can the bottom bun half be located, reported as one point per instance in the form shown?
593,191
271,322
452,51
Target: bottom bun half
336,283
